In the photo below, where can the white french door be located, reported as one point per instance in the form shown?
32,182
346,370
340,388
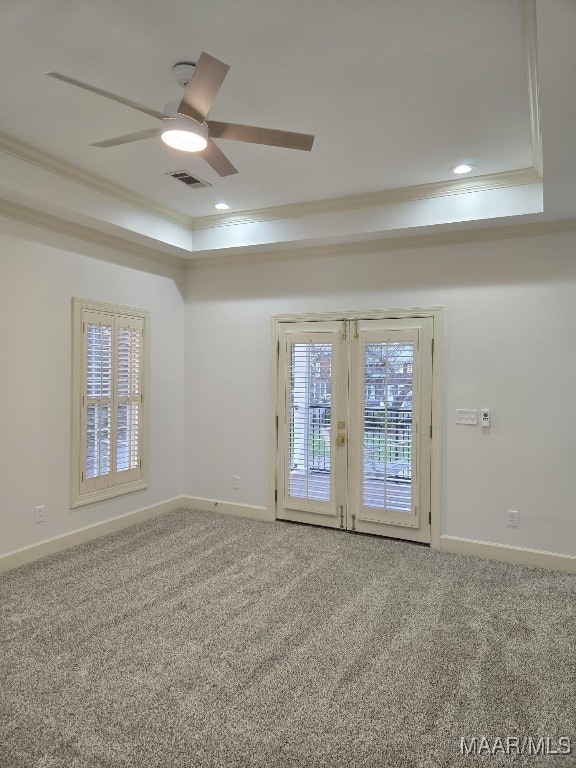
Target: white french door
354,425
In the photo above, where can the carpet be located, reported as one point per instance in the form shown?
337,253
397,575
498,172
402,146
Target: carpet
196,640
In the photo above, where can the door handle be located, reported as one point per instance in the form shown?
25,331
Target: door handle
340,438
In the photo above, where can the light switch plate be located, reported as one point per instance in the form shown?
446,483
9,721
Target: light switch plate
466,417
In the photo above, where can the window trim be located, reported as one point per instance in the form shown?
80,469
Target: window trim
78,496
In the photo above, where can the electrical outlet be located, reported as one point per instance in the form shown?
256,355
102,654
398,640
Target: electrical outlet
39,514
512,518
235,482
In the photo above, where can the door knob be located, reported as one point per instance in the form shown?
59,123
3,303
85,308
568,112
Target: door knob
340,438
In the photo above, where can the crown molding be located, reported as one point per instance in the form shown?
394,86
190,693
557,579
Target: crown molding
457,237
53,164
485,183
87,234
531,44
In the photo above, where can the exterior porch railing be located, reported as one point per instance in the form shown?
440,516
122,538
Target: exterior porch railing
386,452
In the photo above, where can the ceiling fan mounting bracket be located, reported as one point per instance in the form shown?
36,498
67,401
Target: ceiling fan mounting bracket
183,72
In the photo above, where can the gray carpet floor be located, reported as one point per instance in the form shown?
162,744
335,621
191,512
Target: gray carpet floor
198,640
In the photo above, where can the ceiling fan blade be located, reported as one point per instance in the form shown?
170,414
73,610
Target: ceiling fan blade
148,133
108,95
217,160
204,84
255,135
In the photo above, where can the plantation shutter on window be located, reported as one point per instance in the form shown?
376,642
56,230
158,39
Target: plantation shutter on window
111,424
128,394
98,338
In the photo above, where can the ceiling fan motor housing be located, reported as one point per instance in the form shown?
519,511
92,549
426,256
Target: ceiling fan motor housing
183,72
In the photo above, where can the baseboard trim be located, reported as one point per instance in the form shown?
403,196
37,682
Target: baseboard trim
47,547
508,554
228,508
486,549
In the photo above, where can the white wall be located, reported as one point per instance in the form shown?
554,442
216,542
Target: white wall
39,274
510,315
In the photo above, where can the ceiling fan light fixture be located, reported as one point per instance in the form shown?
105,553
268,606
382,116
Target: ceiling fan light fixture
184,133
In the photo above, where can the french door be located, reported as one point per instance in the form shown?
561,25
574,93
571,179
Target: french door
354,425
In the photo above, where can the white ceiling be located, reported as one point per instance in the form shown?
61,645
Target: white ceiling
395,91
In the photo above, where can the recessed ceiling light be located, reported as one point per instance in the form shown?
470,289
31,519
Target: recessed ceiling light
463,168
222,206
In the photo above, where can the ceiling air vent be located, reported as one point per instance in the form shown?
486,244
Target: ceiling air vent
186,178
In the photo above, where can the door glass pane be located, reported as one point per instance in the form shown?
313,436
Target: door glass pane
310,407
388,425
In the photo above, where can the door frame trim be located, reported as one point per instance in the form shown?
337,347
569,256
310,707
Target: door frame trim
437,315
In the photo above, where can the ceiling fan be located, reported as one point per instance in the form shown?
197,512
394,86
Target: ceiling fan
184,125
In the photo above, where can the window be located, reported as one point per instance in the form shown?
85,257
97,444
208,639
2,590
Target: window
108,399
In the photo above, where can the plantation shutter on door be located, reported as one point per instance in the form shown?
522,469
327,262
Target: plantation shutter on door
311,406
389,455
354,424
390,417
310,420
